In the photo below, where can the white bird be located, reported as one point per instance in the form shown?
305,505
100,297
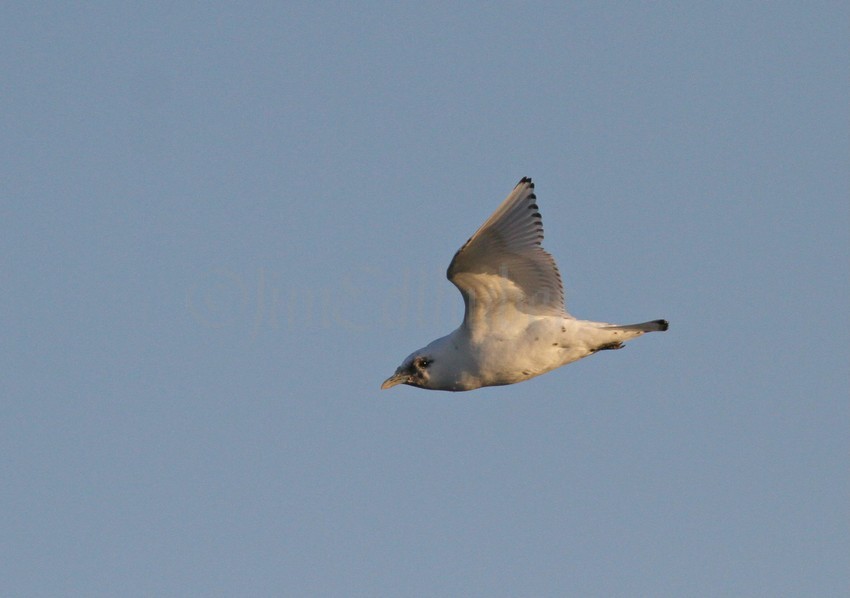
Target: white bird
515,326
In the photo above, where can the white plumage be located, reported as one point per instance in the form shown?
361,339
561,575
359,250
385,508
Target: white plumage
515,325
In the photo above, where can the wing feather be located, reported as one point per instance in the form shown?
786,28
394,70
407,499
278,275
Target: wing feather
503,263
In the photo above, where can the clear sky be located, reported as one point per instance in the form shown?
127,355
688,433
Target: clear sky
223,225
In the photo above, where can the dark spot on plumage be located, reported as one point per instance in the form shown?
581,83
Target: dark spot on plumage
536,215
563,328
533,206
554,344
611,346
537,338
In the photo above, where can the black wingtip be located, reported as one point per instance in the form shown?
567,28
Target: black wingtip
662,325
527,181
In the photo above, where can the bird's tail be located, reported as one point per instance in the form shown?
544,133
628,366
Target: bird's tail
653,326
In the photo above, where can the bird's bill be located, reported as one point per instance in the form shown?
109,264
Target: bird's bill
395,379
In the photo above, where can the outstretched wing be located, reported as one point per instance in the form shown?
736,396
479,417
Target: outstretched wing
503,264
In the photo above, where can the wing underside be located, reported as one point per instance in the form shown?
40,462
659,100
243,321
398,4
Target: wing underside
504,266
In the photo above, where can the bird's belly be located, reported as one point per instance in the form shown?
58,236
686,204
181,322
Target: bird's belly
538,349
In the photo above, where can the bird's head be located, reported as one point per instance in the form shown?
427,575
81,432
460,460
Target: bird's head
415,371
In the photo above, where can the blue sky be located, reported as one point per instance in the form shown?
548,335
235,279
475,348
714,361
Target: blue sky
223,225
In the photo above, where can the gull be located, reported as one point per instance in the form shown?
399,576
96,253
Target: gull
515,325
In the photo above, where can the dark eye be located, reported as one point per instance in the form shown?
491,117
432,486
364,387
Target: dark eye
424,363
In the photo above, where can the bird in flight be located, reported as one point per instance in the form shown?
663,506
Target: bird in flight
515,325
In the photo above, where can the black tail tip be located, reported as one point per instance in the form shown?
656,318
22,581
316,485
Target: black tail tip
662,325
